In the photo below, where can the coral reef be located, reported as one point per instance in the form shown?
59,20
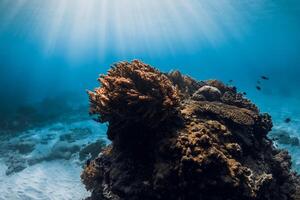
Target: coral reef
134,93
185,84
179,139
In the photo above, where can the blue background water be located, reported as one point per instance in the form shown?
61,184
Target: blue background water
58,47
50,47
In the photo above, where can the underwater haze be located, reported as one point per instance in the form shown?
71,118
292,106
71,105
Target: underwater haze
52,51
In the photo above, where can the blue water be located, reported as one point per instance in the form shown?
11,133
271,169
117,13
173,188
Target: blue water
55,50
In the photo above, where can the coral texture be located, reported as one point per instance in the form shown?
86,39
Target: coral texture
208,148
134,93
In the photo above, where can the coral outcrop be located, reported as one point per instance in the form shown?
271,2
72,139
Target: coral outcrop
134,93
177,138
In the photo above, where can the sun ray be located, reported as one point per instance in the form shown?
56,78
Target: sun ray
128,28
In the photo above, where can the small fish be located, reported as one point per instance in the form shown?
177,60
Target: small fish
264,77
230,81
287,120
258,82
244,93
258,88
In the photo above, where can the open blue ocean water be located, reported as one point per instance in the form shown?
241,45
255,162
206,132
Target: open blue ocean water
52,51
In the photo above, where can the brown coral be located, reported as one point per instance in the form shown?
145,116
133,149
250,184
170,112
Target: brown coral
134,93
185,84
219,150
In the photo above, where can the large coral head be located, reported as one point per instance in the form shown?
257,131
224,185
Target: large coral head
134,93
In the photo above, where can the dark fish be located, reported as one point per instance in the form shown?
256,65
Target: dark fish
287,120
230,81
258,88
244,93
264,78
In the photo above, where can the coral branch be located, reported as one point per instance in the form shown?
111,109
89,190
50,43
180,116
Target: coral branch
134,93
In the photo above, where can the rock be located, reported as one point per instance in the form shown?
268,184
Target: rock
209,93
198,97
92,149
63,150
213,148
15,163
23,147
75,134
221,86
46,138
67,137
283,137
60,150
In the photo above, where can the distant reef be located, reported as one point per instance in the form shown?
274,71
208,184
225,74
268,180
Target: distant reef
176,138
